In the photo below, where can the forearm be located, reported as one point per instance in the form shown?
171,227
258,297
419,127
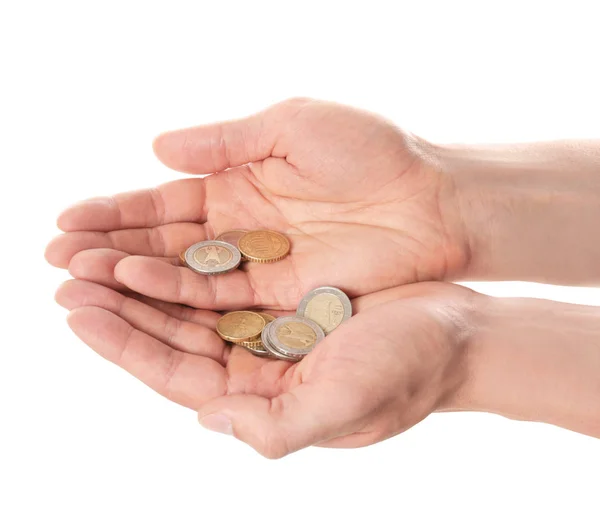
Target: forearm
535,360
529,212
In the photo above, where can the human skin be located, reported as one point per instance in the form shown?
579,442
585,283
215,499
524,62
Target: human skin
366,206
407,352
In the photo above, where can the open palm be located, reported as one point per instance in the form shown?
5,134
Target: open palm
397,360
364,207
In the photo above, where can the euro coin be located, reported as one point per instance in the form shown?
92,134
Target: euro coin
269,347
326,306
255,347
294,336
212,257
240,326
232,237
267,317
264,246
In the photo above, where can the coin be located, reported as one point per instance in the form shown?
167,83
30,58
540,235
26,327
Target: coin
264,246
240,326
254,344
326,306
269,347
255,347
294,336
182,258
212,257
267,317
232,237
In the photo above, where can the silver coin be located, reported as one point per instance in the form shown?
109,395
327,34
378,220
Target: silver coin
294,336
327,306
212,257
269,347
258,353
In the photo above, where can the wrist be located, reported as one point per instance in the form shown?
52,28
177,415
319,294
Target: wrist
527,212
534,360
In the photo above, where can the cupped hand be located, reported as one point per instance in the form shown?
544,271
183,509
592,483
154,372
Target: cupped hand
364,205
398,359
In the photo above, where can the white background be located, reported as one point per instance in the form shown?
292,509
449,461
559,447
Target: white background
84,88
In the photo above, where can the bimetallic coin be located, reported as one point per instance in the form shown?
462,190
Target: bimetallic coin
269,347
294,336
264,246
326,306
240,326
212,257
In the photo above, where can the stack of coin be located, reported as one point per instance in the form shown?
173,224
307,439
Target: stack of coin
290,338
327,306
244,328
230,248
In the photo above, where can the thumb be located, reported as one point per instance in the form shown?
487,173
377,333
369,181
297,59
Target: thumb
216,147
275,427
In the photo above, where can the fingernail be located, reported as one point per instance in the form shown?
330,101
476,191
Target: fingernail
218,423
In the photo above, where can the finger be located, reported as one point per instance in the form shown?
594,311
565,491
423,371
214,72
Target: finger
184,313
98,265
289,422
165,240
181,335
179,201
159,280
186,379
216,147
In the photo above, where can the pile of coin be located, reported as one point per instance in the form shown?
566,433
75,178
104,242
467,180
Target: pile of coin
230,248
289,338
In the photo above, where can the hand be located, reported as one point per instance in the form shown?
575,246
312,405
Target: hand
397,360
363,203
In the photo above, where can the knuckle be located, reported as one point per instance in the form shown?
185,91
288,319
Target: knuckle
273,450
157,203
172,326
292,106
274,446
156,241
297,101
218,150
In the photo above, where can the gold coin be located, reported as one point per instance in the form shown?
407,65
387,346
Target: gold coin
256,345
240,326
182,258
267,317
264,246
